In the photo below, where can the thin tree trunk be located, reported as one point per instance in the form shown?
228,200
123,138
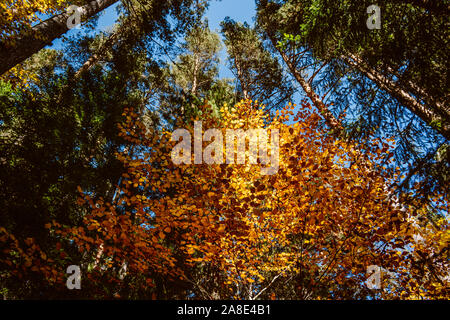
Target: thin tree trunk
195,80
101,52
43,34
330,119
436,103
241,78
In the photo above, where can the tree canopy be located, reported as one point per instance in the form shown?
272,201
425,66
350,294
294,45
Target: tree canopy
126,153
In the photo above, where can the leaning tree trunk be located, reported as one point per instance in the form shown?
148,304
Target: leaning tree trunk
101,52
43,34
438,119
330,119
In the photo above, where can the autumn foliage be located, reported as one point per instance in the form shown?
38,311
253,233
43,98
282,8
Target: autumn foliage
225,231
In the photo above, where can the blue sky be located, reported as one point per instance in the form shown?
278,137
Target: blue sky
238,10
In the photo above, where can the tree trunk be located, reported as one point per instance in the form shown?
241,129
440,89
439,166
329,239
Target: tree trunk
439,121
241,78
43,34
195,80
330,119
101,52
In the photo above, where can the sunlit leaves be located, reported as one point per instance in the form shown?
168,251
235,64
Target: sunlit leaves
227,231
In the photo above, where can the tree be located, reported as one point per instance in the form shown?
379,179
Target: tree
229,231
396,66
191,77
43,34
73,116
59,134
48,149
197,68
90,168
16,18
369,79
258,72
37,37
